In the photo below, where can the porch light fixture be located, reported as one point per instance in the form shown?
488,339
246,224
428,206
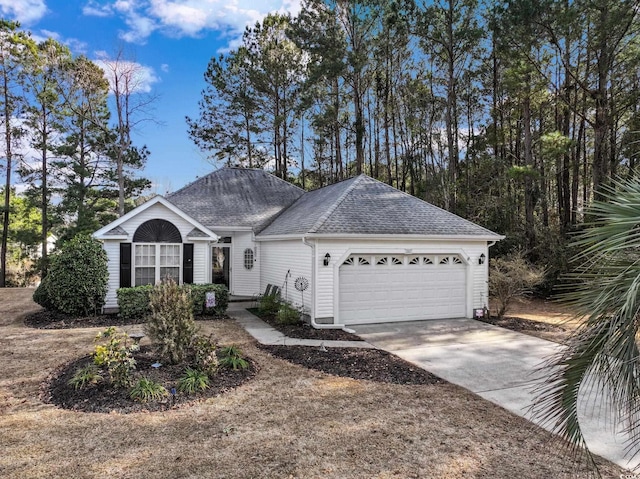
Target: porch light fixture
327,258
481,259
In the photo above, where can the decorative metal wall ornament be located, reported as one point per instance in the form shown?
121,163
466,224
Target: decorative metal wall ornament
301,284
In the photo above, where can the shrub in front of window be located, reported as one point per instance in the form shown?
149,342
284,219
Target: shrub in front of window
134,302
170,325
77,279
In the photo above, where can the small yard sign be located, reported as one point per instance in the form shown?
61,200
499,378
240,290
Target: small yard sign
210,301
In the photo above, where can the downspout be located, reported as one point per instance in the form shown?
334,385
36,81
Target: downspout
314,284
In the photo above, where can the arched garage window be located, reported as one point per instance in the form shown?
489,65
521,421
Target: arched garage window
157,252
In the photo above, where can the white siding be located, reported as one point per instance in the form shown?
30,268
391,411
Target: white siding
201,262
327,276
276,258
157,211
244,282
113,256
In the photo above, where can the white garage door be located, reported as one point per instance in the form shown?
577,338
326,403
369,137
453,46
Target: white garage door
383,288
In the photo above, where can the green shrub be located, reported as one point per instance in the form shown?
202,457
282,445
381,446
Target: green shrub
193,381
115,356
78,275
146,390
134,302
204,351
269,304
41,295
232,358
287,314
170,325
198,296
85,376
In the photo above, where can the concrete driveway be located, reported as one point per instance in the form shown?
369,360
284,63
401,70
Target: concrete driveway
498,364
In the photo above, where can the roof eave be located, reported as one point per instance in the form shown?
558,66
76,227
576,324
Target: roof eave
399,236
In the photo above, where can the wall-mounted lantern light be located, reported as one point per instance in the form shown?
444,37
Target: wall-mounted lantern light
327,258
481,259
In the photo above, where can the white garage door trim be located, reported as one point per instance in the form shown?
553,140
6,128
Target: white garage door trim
388,287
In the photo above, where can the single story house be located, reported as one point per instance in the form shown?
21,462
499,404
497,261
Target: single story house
365,251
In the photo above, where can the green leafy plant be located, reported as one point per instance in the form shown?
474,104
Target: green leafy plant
115,355
287,314
41,295
198,296
193,381
134,302
78,275
232,358
146,390
170,325
269,304
204,352
85,376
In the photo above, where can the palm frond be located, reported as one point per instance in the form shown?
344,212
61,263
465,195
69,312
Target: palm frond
602,355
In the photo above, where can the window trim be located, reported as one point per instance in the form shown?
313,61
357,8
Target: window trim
157,267
249,259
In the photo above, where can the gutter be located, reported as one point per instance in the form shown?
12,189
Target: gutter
313,296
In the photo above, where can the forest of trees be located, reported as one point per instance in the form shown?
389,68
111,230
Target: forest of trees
511,114
59,137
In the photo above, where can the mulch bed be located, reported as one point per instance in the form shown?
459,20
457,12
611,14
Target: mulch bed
102,398
520,324
304,330
45,319
356,363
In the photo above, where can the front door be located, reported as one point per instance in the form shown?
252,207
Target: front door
220,262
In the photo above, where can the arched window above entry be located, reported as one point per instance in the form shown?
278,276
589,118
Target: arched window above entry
157,231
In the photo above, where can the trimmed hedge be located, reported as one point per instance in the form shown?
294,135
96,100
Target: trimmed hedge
41,295
198,296
134,302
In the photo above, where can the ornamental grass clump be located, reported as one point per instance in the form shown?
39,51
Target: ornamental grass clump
170,325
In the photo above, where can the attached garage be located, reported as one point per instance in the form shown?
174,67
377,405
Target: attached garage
376,288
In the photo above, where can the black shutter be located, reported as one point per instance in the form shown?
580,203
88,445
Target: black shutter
125,265
187,263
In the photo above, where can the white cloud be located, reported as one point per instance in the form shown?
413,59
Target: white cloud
192,17
164,67
25,11
140,77
95,9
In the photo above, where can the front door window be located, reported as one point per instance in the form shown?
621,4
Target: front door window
220,262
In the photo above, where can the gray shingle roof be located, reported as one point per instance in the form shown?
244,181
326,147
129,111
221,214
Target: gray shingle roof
362,205
236,197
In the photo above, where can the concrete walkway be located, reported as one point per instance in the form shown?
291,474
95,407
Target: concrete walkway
265,334
498,364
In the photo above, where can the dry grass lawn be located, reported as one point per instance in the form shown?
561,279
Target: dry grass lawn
289,422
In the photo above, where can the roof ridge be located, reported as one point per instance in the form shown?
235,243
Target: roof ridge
430,204
324,217
232,168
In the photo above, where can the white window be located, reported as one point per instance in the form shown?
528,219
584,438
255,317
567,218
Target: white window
155,262
248,258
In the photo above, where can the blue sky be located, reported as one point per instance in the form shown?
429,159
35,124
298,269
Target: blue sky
171,40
